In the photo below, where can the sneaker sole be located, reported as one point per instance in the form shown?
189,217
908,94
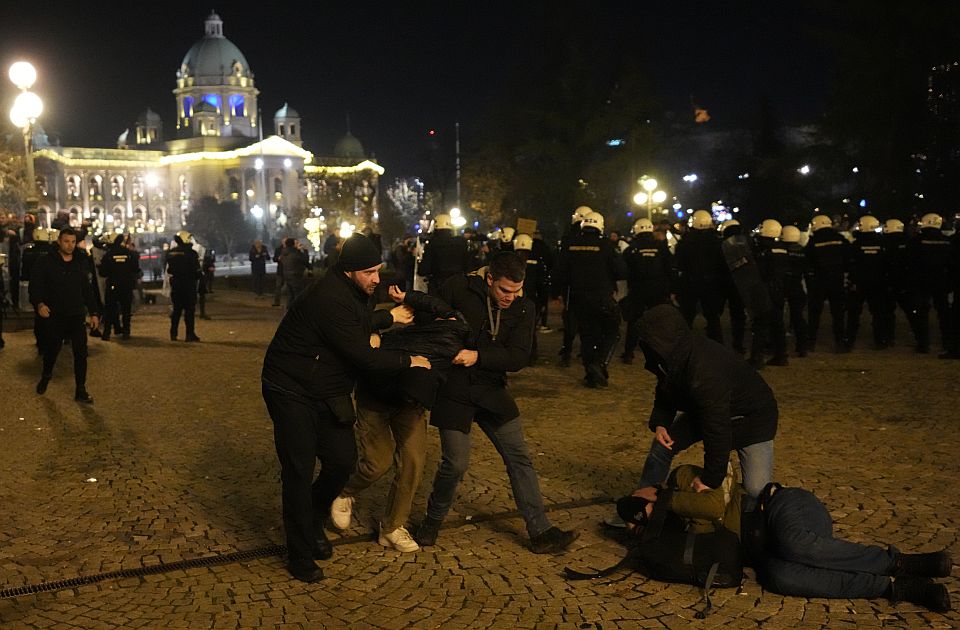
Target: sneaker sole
386,543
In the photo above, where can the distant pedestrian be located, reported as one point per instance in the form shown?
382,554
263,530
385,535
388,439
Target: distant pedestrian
295,262
259,255
209,266
183,265
62,292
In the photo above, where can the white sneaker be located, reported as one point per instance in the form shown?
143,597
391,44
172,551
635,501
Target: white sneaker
340,512
400,539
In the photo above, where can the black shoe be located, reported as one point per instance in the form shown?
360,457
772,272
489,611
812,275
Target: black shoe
308,575
42,385
193,338
552,541
82,396
322,548
173,336
427,532
923,591
935,564
590,382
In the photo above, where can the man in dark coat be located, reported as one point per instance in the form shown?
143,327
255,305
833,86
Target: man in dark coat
499,341
294,262
705,392
259,255
702,273
121,268
828,253
183,265
649,280
444,256
320,349
62,292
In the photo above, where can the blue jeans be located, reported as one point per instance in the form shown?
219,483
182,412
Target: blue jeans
756,460
805,560
508,439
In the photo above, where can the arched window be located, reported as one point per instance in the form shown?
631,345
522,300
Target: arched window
116,187
96,213
234,187
117,214
137,187
184,190
139,214
96,188
42,185
73,187
187,106
277,186
293,129
281,128
237,107
74,216
213,99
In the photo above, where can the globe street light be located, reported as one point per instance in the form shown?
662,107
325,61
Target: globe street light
26,109
650,195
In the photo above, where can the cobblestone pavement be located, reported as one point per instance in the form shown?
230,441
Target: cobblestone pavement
176,461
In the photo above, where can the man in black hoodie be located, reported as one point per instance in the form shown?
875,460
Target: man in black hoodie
705,392
320,349
500,338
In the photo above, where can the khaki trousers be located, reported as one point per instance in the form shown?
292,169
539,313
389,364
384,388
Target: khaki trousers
388,433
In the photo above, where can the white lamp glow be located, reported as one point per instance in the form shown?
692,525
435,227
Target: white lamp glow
23,74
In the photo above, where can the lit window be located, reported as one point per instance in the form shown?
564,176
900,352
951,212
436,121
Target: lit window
236,105
187,106
212,99
293,130
281,129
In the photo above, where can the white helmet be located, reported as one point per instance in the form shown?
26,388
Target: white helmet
931,220
771,228
523,241
701,220
184,237
729,223
820,221
790,234
593,220
506,234
442,222
868,223
892,225
642,225
580,213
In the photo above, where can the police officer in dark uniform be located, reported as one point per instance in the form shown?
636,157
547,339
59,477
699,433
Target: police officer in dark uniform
773,259
702,274
536,283
183,265
569,317
828,253
121,268
866,281
794,290
649,280
930,258
590,267
896,280
444,256
62,293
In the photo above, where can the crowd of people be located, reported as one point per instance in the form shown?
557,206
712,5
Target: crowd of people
356,386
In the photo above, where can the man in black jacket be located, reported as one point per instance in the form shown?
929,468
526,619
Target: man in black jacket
705,392
930,261
183,265
499,341
62,292
649,280
702,273
320,349
829,255
121,268
259,255
444,256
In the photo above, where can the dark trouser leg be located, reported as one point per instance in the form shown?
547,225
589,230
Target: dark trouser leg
738,319
111,312
189,310
278,290
52,332
855,302
508,439
302,433
688,304
126,310
77,333
656,468
257,281
633,335
776,328
942,307
816,299
921,309
175,314
877,304
712,303
609,315
589,321
569,330
838,309
800,532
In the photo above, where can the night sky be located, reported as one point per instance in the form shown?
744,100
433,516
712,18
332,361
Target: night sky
403,68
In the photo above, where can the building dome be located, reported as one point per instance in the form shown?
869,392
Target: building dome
149,117
286,112
349,147
214,58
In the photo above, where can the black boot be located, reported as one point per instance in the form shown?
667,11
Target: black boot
552,540
306,574
935,564
83,396
322,548
42,385
923,591
427,532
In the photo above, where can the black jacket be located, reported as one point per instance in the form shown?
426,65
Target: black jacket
66,287
121,268
589,266
866,264
183,265
828,252
930,259
699,258
730,403
258,259
509,352
895,268
444,256
322,345
650,267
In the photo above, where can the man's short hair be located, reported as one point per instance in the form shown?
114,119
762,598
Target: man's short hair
507,265
67,231
288,242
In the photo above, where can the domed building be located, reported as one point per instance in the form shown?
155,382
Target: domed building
149,184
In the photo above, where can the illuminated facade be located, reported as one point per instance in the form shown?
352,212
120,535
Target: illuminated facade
147,185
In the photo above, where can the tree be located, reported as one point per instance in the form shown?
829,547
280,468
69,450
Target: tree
220,224
13,176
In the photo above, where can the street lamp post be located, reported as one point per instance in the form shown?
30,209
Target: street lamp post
649,195
26,109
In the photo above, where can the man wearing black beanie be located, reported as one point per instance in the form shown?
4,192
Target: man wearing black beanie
309,373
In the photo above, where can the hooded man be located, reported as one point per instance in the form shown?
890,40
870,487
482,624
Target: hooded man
705,393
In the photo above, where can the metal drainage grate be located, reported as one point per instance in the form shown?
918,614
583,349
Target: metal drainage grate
251,554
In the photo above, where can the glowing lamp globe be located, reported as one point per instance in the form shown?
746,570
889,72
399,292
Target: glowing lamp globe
23,74
659,196
649,184
640,198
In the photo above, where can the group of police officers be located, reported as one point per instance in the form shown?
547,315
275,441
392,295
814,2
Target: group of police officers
757,276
